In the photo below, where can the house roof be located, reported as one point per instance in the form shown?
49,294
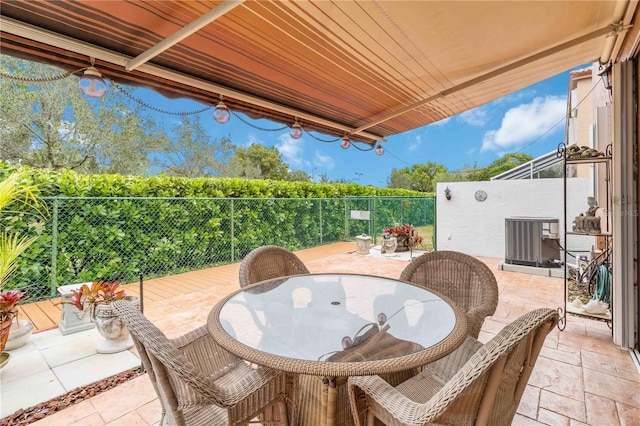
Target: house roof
368,69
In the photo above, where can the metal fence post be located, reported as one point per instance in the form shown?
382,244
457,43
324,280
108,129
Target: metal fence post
320,213
372,228
233,249
435,221
346,218
370,215
54,248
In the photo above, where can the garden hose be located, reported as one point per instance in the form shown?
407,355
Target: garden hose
603,285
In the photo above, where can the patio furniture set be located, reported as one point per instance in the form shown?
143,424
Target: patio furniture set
291,347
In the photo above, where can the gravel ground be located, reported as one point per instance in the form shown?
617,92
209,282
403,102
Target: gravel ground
40,411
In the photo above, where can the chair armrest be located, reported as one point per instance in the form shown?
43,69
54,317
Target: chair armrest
242,381
230,378
204,352
475,318
384,395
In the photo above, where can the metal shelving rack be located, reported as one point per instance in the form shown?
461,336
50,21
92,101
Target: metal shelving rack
605,257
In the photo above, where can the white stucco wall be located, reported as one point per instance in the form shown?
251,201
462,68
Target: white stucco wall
478,228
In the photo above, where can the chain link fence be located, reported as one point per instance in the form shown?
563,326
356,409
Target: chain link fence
87,239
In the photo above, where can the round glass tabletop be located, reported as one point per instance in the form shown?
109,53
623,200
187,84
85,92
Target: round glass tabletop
337,318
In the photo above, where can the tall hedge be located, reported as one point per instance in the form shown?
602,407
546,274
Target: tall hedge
115,227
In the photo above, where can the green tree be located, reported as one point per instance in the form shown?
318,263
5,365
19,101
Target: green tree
194,154
420,177
297,176
258,161
500,165
53,125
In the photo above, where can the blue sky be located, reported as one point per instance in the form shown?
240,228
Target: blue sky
530,121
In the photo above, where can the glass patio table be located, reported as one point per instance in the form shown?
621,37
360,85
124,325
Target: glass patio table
335,326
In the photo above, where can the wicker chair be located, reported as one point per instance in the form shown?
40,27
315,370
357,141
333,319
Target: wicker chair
462,278
483,386
267,262
197,381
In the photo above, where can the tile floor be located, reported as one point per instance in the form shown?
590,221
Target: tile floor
51,364
581,377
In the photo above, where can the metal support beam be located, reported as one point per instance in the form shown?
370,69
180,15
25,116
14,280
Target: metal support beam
183,33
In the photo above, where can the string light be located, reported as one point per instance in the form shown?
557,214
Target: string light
296,130
221,114
346,143
94,85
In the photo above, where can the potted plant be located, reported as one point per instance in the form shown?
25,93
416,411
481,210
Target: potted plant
97,298
406,236
8,302
16,198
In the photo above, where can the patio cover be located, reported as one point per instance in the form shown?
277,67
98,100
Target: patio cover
367,69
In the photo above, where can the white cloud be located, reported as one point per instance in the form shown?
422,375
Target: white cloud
413,146
291,150
323,161
251,139
526,122
474,117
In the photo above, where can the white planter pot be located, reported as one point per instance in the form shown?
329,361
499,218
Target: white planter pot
19,334
109,325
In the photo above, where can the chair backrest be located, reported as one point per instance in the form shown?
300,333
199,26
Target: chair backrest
177,381
488,388
267,262
465,280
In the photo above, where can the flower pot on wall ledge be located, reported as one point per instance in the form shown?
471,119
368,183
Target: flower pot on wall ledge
403,243
109,325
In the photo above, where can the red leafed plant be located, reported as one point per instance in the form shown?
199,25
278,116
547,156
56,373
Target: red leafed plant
8,301
98,292
408,230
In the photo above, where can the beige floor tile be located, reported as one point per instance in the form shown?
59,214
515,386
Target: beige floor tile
92,420
629,416
124,399
615,388
558,377
529,403
576,327
151,412
553,419
562,405
600,410
68,415
570,356
598,362
593,344
129,419
520,420
573,422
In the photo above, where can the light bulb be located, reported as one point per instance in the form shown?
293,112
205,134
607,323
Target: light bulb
379,150
296,131
92,84
221,114
346,143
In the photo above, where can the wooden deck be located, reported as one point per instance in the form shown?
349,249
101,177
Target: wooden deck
45,315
